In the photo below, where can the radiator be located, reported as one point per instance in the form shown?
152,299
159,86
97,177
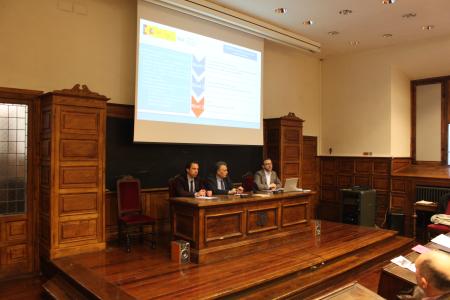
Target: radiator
430,193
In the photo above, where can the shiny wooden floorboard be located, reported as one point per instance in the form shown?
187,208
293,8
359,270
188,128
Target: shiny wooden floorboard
149,274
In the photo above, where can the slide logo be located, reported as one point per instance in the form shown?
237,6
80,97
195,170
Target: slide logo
198,85
159,33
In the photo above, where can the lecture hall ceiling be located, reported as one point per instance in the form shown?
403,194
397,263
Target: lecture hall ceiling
370,23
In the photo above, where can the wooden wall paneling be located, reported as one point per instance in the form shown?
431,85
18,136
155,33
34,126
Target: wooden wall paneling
19,233
124,111
381,183
111,214
382,166
345,181
364,166
154,204
283,143
346,166
328,165
329,208
73,136
330,211
311,172
344,172
400,163
363,180
382,203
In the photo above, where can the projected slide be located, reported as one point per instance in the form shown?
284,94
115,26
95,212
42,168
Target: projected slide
188,78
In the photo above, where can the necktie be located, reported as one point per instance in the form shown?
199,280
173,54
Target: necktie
192,189
222,185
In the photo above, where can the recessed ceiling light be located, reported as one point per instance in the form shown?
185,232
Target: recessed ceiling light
387,35
345,12
280,10
308,22
388,1
409,15
354,43
333,32
428,27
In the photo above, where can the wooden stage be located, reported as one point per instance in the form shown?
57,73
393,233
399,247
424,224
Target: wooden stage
298,269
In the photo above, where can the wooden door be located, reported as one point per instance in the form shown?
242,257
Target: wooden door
18,254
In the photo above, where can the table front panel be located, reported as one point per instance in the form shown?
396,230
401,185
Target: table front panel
224,226
262,219
294,213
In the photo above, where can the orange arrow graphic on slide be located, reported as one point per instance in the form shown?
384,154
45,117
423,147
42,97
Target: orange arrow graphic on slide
198,107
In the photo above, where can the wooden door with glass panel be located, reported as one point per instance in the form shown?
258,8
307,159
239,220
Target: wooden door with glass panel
17,240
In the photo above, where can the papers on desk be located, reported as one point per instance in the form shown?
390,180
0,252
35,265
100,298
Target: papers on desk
261,195
421,249
424,202
206,198
442,240
404,263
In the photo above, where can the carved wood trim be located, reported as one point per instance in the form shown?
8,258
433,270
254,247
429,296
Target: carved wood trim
80,91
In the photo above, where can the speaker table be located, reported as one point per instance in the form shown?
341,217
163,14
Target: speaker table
230,226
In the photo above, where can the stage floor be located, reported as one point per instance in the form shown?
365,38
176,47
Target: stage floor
300,268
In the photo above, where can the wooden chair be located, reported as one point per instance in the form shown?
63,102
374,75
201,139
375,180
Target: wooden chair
130,214
443,208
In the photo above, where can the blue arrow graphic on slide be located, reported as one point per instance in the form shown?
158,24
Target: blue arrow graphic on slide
198,86
198,66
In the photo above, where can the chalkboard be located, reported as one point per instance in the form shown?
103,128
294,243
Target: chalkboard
155,163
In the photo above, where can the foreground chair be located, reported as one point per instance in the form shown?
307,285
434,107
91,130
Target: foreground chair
130,212
443,208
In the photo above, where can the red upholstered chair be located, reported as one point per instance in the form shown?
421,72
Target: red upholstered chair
172,183
436,229
130,211
248,182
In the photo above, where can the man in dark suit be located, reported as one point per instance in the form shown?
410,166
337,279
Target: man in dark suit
189,184
220,183
266,178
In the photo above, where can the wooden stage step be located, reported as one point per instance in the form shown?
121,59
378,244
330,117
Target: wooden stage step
300,268
59,289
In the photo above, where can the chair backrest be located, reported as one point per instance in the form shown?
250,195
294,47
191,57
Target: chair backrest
172,183
248,182
128,195
443,204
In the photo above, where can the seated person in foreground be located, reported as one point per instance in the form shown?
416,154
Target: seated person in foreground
220,183
189,184
433,276
267,179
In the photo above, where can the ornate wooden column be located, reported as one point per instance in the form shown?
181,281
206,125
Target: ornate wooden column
283,143
72,198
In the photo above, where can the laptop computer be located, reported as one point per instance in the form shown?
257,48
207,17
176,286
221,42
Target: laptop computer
290,185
